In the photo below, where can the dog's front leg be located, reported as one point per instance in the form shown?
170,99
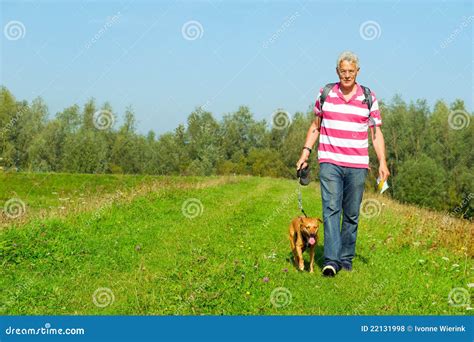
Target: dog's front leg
293,238
299,251
311,258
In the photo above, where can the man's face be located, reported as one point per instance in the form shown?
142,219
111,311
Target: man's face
347,73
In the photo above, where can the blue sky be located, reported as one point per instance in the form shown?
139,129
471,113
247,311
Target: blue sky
263,54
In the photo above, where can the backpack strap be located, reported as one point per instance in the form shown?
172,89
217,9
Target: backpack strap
368,97
327,88
368,101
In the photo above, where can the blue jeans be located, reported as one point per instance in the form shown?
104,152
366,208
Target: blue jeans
341,190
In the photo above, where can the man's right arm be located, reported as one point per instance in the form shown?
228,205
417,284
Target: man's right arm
311,138
313,132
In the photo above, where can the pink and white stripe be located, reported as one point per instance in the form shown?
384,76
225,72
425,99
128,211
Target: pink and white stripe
343,138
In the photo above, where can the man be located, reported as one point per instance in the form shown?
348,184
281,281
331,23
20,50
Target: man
342,127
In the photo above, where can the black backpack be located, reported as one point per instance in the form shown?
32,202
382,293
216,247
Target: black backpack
327,88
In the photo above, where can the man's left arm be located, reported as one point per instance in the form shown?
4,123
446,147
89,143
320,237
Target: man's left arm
379,147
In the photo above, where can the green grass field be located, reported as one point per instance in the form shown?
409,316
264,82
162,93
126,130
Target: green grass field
137,245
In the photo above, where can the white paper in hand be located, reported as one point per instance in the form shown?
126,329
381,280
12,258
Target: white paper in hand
382,185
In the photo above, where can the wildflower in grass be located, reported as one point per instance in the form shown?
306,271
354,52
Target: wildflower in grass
266,279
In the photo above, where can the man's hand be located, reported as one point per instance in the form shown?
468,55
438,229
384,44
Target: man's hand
302,162
383,171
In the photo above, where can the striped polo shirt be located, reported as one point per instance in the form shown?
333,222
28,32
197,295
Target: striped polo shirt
343,138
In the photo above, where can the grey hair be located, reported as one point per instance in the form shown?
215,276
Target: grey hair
348,56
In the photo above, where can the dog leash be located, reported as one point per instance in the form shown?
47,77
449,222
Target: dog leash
300,200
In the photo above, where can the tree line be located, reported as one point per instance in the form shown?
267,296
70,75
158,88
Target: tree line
429,151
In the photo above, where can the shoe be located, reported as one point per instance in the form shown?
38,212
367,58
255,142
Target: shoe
329,271
347,265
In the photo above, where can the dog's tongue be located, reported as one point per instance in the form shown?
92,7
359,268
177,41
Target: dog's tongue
311,240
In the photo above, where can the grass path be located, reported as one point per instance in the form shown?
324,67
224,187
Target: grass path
144,256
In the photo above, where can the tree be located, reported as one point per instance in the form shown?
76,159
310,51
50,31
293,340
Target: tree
127,148
46,148
240,132
204,143
85,152
9,115
430,160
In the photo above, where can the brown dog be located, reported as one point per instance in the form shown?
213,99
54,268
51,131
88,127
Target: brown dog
304,234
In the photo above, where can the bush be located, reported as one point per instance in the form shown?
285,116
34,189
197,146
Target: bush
421,181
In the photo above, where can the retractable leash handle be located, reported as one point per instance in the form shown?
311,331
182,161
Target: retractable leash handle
298,170
303,179
303,175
